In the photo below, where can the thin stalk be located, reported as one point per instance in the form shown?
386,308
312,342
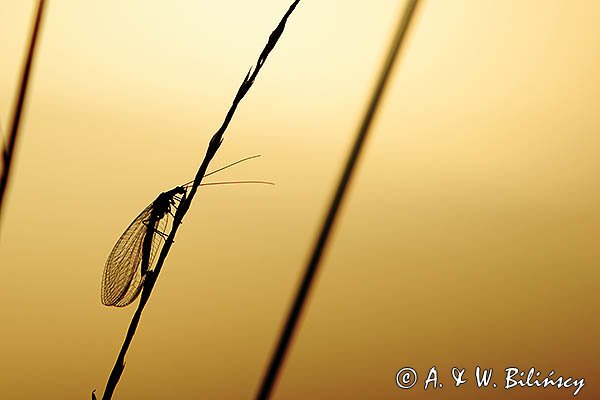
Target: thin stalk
8,148
213,146
311,269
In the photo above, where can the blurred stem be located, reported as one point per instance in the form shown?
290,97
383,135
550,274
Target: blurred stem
8,148
311,269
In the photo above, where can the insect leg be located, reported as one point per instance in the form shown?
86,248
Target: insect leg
161,234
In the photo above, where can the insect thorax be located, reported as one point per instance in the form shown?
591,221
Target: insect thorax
164,201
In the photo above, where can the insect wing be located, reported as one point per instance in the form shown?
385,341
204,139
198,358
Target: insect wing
135,285
133,290
124,261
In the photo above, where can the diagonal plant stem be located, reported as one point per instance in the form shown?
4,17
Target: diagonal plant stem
311,269
8,148
213,147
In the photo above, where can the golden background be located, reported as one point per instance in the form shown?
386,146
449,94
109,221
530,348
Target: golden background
470,235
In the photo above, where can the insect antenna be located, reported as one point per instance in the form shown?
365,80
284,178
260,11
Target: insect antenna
222,168
235,183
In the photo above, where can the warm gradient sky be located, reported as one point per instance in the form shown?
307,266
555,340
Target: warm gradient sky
470,236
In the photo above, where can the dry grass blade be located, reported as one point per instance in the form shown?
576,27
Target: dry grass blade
213,147
8,148
313,263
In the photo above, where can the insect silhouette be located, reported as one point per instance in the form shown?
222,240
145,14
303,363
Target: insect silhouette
134,252
133,255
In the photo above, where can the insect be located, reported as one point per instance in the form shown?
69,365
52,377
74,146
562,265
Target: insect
132,256
134,252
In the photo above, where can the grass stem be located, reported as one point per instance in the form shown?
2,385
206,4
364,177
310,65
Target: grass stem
311,269
185,203
8,148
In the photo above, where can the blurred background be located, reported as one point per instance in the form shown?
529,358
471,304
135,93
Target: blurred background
470,234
